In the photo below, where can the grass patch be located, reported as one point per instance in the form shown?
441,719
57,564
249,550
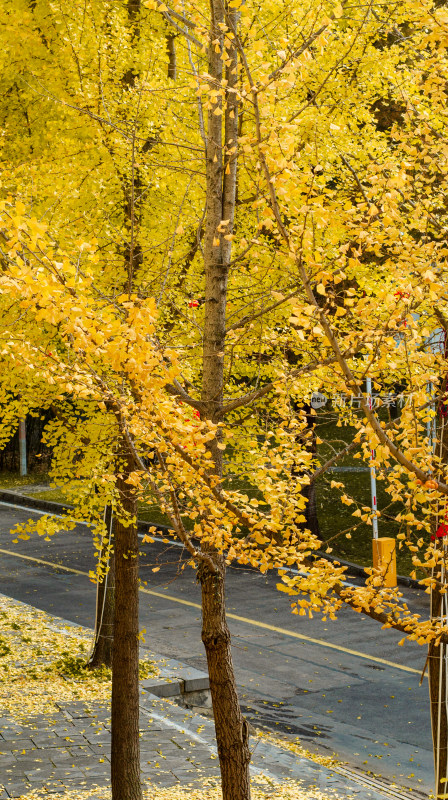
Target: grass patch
14,481
346,535
55,495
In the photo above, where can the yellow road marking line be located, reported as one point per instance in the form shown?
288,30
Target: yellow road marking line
41,561
287,632
246,620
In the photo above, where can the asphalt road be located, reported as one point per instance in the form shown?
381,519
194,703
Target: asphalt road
342,687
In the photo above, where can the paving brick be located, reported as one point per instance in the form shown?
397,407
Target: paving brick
37,776
96,774
43,739
17,745
26,762
80,751
97,738
7,759
62,773
64,729
18,788
99,748
75,709
16,734
69,740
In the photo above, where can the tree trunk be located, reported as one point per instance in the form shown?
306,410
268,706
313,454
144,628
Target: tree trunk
105,606
125,754
437,666
125,750
312,520
230,726
437,654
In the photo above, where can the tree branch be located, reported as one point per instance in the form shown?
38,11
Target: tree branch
250,397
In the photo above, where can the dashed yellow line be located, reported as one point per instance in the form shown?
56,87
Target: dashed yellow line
246,620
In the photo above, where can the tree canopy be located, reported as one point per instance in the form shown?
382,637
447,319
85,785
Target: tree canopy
209,213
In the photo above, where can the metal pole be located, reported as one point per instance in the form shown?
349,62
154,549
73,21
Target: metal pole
22,446
431,423
372,469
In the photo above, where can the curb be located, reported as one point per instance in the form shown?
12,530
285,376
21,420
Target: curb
143,527
176,680
32,502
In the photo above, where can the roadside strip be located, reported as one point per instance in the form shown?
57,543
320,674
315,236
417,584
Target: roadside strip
236,617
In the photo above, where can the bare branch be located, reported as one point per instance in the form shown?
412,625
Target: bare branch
358,182
250,317
315,475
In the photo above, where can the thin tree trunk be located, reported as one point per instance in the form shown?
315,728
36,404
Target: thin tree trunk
312,520
105,606
125,753
308,441
132,184
171,51
221,165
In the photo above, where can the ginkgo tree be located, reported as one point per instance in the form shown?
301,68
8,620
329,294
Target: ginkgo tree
75,73
298,258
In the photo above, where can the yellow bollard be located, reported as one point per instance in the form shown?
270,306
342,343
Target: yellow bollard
384,558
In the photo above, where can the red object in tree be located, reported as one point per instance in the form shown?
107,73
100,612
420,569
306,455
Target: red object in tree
193,304
441,531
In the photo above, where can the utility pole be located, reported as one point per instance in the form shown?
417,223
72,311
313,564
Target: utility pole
372,469
384,547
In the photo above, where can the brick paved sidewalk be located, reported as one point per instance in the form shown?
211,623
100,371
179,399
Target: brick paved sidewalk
71,750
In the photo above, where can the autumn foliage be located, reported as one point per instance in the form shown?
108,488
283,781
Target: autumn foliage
197,235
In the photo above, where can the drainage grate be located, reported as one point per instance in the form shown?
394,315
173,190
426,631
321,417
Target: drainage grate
380,785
